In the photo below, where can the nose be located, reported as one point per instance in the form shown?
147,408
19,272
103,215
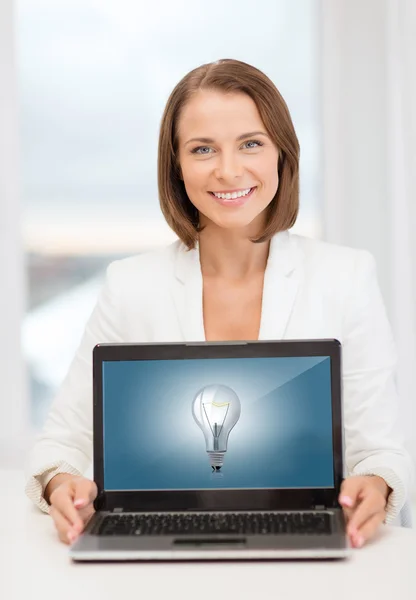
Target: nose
229,168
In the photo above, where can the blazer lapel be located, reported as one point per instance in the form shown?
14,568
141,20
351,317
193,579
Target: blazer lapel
281,283
187,294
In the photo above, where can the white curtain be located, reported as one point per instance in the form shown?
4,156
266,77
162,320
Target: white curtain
13,395
401,41
369,150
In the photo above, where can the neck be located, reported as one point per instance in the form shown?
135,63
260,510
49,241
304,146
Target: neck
230,254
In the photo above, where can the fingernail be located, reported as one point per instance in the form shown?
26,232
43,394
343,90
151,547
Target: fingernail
78,502
359,541
70,536
345,500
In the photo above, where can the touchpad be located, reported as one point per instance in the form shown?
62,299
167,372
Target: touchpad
215,541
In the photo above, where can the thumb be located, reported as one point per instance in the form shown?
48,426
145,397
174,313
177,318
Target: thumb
350,491
85,492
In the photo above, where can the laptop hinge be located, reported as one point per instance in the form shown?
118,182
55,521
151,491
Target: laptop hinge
117,510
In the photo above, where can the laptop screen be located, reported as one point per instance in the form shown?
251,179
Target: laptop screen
230,423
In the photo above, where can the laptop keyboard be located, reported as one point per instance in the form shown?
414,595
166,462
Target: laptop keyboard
211,523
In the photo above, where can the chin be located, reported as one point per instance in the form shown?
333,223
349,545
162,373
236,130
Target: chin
236,221
231,224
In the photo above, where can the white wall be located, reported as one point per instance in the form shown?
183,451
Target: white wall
369,132
13,397
354,117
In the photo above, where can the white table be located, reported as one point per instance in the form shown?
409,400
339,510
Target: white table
34,564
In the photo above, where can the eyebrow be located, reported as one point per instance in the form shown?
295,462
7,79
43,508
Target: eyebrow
206,140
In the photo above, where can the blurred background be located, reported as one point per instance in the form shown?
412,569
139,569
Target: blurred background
82,88
91,96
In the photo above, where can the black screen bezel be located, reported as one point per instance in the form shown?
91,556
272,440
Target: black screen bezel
217,500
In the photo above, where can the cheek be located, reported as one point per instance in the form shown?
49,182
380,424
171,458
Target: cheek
194,175
264,168
269,168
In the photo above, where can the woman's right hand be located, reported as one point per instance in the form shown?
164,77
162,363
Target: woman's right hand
71,498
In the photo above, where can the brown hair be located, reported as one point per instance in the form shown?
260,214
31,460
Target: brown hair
228,75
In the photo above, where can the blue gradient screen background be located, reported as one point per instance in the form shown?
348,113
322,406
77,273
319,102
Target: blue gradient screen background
283,438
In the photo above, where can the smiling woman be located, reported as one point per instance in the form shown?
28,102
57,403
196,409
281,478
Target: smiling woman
236,273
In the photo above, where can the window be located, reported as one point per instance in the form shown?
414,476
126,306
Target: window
94,78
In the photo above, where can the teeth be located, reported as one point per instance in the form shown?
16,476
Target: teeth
234,195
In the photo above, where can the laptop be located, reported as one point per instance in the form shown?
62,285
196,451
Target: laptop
216,451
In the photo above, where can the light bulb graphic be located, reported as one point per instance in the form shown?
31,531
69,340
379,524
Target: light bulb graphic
216,409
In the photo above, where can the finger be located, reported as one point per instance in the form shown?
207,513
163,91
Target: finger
68,531
62,525
368,529
86,513
350,492
372,504
348,512
85,493
62,500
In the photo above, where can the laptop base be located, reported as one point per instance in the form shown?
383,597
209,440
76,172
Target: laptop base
91,547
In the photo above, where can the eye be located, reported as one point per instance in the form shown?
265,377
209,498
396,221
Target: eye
201,150
256,142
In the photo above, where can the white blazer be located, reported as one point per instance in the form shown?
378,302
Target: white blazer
311,290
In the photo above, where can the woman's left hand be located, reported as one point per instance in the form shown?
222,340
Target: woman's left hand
364,500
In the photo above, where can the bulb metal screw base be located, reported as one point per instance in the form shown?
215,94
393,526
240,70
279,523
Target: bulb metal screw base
216,460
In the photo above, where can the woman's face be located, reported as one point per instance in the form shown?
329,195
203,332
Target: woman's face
228,162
